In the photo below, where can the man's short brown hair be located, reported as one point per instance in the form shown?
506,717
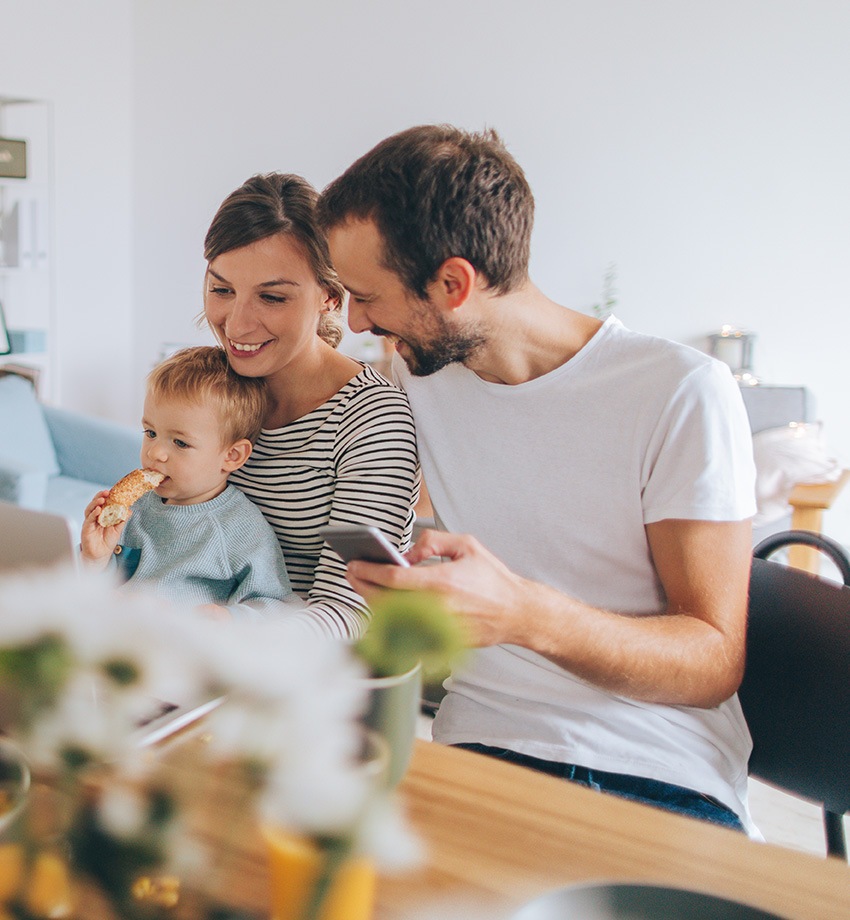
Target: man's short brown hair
202,374
435,192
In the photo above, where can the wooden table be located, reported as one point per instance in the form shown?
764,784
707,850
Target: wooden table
505,835
809,501
497,835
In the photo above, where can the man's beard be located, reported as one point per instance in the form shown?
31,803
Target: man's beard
446,346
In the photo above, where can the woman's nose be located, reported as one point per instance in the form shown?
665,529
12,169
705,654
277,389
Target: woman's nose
240,318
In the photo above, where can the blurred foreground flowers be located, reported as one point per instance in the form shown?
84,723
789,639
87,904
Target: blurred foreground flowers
81,666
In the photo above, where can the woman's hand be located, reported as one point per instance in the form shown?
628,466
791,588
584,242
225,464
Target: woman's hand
469,578
98,543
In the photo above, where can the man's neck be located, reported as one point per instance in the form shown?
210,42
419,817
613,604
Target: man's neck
528,336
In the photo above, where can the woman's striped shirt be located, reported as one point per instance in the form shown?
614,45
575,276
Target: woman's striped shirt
352,460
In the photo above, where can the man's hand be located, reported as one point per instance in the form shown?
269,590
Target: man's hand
689,654
470,579
98,543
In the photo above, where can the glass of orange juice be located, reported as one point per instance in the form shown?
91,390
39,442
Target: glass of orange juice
296,861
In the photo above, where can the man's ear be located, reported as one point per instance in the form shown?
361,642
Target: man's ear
454,283
237,455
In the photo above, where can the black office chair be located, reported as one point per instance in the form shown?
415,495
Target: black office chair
796,688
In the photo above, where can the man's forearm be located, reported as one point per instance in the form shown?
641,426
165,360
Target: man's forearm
672,658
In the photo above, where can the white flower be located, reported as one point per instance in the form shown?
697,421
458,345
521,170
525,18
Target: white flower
385,835
75,723
122,810
315,796
292,708
33,605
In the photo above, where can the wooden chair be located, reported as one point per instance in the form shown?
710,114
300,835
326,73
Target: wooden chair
796,688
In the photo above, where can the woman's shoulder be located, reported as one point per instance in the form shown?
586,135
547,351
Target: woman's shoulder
370,386
369,376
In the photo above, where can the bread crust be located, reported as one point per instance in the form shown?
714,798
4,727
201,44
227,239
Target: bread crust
128,489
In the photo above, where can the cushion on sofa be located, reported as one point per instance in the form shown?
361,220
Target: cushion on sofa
26,440
71,496
93,449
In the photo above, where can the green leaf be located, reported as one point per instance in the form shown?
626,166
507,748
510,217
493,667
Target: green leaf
408,627
122,671
34,675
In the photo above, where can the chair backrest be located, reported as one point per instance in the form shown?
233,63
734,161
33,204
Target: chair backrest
796,688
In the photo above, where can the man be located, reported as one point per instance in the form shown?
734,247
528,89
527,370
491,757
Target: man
603,479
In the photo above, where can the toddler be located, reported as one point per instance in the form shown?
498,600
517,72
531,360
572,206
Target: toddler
196,539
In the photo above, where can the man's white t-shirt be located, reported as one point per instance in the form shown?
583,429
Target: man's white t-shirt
558,477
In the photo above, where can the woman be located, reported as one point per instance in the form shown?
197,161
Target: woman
338,446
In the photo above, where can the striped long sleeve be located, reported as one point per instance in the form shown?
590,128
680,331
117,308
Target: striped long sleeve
352,460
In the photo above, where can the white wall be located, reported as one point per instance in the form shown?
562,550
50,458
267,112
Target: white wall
78,56
701,146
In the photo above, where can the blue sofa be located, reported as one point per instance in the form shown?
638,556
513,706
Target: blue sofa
55,459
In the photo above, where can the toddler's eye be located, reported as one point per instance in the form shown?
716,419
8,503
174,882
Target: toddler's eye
149,433
180,444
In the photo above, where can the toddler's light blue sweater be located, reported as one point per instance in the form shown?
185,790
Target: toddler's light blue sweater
222,551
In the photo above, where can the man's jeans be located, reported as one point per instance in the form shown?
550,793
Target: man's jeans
649,791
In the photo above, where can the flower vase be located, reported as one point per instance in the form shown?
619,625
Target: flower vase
393,709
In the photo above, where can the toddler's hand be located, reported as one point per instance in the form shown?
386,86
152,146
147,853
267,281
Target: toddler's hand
214,612
98,543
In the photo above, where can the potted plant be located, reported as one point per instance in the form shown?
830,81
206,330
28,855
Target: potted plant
412,637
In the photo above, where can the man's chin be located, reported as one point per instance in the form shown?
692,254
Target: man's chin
424,365
448,349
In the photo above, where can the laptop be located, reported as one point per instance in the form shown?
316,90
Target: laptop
34,539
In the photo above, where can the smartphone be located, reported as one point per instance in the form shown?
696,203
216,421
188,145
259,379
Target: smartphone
359,541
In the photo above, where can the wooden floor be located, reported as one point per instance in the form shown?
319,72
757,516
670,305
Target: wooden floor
782,819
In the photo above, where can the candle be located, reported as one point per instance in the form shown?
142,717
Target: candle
733,346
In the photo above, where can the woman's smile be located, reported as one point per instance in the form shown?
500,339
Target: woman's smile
246,348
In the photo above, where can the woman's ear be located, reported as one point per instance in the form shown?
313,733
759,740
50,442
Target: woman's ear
454,283
330,303
237,455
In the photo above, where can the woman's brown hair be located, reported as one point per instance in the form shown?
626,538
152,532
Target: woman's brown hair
274,203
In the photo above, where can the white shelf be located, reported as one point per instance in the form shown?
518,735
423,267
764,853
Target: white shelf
27,282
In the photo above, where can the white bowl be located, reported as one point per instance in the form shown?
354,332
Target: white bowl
614,901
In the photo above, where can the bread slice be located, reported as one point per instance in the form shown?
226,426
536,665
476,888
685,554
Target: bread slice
127,490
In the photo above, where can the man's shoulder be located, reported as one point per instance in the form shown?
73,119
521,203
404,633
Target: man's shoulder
619,340
652,362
